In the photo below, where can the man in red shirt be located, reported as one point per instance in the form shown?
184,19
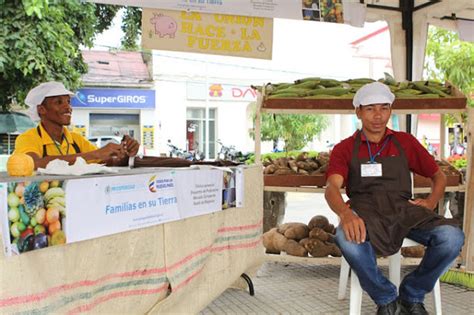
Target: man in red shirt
375,164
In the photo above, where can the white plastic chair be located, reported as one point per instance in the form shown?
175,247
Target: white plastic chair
394,262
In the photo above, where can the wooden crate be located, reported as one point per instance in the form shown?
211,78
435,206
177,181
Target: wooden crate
456,101
294,180
453,176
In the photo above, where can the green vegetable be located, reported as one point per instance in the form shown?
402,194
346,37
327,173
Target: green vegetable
23,216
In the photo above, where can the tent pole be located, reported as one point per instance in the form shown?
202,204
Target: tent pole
407,7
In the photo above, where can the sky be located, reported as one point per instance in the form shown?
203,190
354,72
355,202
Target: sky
303,47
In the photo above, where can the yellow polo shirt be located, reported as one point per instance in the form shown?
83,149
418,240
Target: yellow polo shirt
31,141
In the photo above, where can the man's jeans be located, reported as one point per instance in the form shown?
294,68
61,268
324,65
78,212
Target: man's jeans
443,244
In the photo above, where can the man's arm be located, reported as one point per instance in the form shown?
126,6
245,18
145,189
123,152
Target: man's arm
352,225
111,154
438,186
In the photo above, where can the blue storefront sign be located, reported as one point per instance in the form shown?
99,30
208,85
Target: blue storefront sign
114,98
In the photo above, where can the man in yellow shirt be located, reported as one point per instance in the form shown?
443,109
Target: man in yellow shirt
51,103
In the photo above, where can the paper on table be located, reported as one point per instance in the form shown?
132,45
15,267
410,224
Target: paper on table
80,167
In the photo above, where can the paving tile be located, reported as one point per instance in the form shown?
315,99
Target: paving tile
307,288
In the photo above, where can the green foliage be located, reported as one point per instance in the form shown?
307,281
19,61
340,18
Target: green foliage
295,130
276,155
40,42
450,59
132,28
105,14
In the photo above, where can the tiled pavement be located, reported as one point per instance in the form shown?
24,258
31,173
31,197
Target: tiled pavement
303,287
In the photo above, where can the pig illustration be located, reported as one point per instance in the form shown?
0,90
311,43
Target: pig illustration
164,25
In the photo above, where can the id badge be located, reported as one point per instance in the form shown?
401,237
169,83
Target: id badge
371,170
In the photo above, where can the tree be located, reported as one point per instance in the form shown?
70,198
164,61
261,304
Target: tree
40,41
132,28
450,59
294,129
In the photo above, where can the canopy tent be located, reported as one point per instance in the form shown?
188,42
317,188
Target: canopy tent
408,21
14,122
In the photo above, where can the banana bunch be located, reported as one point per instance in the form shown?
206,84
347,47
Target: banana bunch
55,198
320,88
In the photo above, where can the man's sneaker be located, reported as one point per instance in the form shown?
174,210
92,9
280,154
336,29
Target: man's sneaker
407,308
391,308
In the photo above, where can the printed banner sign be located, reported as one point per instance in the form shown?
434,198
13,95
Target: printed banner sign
114,98
199,192
33,214
148,140
118,204
218,34
5,221
323,10
287,9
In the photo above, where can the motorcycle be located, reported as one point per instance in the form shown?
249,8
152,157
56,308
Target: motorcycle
194,155
229,153
198,155
174,151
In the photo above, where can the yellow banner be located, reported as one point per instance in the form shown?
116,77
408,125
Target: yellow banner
218,34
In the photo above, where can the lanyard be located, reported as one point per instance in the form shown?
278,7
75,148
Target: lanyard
59,148
372,157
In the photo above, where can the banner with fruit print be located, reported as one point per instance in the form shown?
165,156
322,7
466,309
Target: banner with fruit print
34,215
100,206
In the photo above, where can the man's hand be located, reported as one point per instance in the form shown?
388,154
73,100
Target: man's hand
111,151
437,191
353,226
130,145
423,203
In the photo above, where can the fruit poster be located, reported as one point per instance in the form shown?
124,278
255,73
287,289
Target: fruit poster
232,188
119,203
323,10
33,215
218,34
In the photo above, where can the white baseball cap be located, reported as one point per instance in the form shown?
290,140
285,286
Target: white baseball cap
37,94
373,93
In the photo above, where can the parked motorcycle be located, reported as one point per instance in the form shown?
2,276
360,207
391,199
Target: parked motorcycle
195,155
174,151
229,153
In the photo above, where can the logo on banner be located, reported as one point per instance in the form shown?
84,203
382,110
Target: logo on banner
164,25
152,184
155,184
81,98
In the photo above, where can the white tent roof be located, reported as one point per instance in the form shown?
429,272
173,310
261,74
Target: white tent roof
414,14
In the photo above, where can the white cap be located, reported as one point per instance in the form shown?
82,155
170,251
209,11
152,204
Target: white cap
373,93
37,94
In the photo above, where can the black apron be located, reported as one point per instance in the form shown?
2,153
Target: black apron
45,154
382,202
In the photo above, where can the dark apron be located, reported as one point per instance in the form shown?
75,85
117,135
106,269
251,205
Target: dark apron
382,202
45,154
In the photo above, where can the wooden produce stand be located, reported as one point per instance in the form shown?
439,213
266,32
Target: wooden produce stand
176,267
315,183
